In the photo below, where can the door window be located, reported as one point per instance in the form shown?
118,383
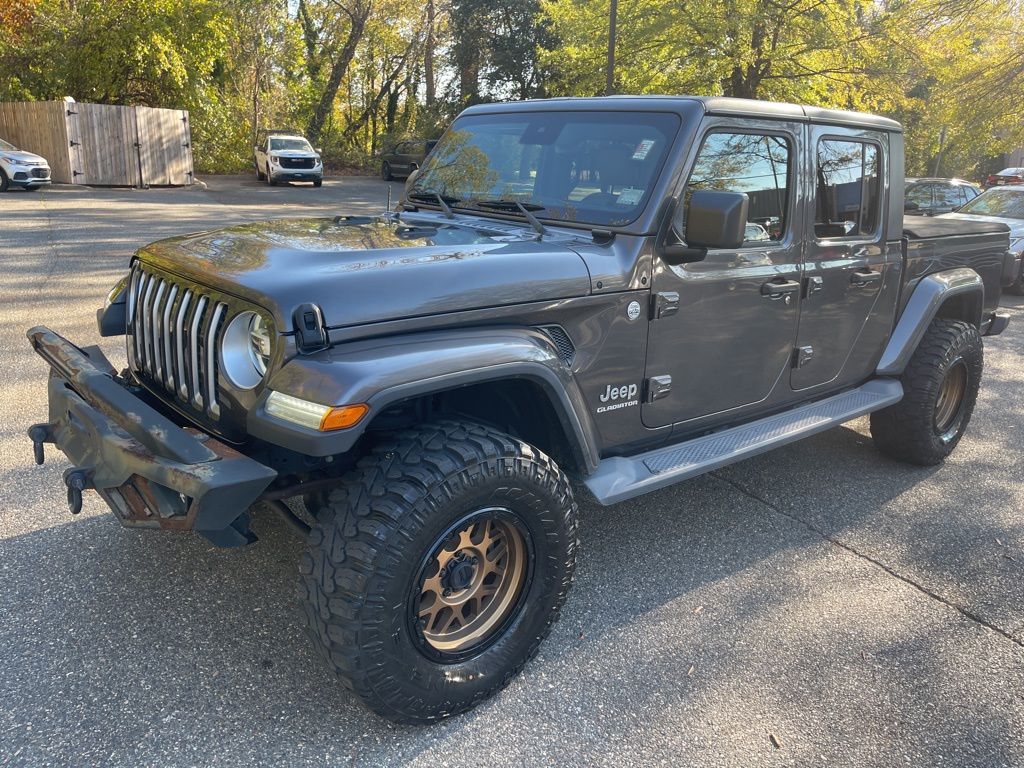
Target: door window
920,195
848,189
754,163
949,197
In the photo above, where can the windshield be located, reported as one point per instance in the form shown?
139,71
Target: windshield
590,167
6,146
285,144
1007,203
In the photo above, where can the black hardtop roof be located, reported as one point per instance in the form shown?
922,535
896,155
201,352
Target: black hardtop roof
712,105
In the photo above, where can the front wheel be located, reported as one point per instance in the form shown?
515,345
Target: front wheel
446,560
940,387
270,178
5,183
385,171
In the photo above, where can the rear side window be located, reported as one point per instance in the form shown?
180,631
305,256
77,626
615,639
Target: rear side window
848,189
754,163
920,195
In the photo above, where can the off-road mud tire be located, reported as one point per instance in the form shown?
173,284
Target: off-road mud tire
375,531
908,431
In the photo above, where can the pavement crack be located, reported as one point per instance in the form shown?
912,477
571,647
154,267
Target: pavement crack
963,611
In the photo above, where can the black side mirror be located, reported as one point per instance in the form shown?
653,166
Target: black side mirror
713,220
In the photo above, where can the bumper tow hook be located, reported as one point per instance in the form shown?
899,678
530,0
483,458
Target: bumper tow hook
39,434
77,480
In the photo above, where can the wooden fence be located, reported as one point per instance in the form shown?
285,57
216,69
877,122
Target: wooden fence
103,144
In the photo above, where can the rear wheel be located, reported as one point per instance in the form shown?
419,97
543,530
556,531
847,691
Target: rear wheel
438,568
940,387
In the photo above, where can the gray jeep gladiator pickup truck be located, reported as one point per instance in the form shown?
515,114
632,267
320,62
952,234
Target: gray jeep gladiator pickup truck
626,291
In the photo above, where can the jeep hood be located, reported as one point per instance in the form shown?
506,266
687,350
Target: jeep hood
370,269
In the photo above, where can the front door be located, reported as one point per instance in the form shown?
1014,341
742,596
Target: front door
722,329
850,276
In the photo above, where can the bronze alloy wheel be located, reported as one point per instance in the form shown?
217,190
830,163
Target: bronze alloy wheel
950,398
471,583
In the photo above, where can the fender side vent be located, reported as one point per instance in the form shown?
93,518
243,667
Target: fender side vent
566,349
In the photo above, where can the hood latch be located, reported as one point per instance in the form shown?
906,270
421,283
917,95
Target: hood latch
310,329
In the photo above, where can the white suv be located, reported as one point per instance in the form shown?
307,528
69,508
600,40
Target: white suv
21,169
281,156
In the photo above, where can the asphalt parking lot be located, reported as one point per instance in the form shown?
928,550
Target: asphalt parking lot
819,605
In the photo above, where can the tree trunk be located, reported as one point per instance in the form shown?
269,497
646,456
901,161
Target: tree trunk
340,66
428,56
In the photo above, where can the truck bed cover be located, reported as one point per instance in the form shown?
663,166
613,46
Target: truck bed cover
925,227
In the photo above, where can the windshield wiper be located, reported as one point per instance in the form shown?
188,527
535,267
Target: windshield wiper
432,196
523,208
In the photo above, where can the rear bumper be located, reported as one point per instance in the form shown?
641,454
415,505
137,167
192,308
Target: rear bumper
150,471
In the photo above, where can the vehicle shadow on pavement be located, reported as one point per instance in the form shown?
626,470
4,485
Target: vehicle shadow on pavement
698,606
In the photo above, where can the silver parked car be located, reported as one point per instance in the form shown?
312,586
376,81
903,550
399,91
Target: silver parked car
21,169
1004,204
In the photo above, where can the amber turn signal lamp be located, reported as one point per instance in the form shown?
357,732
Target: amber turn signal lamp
343,416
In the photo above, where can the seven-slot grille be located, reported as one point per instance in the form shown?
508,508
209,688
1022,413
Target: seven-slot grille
172,337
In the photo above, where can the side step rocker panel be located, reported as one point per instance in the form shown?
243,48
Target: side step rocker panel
619,478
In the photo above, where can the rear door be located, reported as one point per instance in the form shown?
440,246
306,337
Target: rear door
850,275
722,329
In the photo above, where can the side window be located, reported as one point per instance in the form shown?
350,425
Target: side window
920,195
950,197
754,163
848,189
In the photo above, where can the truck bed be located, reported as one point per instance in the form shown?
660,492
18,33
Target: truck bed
934,244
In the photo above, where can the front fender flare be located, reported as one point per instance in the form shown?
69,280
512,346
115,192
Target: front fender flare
928,297
382,372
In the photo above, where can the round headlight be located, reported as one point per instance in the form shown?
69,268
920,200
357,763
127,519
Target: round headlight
245,350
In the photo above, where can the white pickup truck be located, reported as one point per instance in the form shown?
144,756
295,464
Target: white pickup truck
282,156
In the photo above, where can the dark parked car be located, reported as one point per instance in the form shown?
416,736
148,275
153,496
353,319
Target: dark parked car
928,197
572,289
1012,175
405,157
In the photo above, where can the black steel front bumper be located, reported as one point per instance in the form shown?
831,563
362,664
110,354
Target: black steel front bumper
150,471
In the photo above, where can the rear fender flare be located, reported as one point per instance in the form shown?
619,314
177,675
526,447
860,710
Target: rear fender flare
925,304
383,372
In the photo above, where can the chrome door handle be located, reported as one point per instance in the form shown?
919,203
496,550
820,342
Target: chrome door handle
864,277
778,289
